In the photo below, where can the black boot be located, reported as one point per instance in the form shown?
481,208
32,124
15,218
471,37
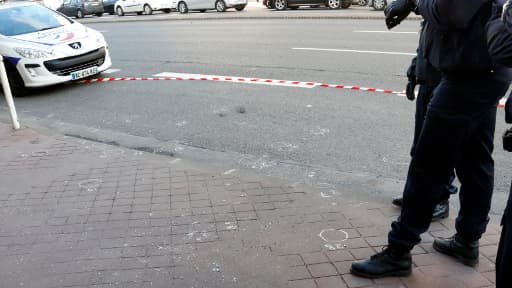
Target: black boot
441,210
464,251
389,262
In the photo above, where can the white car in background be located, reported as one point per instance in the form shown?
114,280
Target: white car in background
42,47
183,6
142,6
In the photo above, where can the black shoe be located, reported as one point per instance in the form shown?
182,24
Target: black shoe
441,211
464,251
384,264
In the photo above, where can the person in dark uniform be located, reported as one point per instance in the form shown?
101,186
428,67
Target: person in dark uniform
457,133
422,73
499,35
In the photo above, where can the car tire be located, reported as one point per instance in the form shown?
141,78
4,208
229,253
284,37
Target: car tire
333,4
119,11
79,14
147,9
362,2
379,4
166,11
182,7
16,83
240,8
280,5
346,3
270,4
220,6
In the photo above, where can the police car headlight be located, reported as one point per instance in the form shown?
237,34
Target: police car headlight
32,53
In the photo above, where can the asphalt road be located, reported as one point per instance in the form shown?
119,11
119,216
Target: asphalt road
347,141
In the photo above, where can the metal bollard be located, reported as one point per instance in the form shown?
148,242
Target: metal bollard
8,95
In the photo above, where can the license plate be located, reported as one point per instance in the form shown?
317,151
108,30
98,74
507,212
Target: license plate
84,73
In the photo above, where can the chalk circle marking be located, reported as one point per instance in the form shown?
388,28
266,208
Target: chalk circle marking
334,238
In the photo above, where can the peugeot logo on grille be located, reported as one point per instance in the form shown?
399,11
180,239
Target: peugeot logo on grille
75,45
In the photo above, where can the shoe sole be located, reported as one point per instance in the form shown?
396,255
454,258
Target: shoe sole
402,273
463,260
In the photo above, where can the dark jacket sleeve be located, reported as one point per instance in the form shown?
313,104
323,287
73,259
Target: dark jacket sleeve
499,42
449,15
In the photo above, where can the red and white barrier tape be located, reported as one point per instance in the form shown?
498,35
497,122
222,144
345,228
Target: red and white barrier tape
254,81
246,80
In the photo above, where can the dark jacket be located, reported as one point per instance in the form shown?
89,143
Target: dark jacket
455,38
420,70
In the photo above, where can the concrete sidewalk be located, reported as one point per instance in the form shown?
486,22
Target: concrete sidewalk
75,213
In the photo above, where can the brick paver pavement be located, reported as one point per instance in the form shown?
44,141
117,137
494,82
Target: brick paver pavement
75,213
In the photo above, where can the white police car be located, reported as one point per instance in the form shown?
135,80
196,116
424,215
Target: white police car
42,47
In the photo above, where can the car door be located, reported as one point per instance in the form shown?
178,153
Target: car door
129,6
205,4
136,5
209,4
64,8
193,4
75,5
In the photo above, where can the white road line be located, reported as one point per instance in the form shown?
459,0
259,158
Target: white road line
390,32
110,71
356,51
237,79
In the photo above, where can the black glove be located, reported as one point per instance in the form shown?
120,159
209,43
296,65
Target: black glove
409,90
398,11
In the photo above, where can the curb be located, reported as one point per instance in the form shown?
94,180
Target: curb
255,17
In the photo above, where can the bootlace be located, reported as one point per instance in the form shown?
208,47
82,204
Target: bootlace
384,251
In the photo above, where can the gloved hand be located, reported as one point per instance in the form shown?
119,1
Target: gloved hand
397,11
409,90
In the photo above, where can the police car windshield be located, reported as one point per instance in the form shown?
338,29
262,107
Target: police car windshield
23,19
